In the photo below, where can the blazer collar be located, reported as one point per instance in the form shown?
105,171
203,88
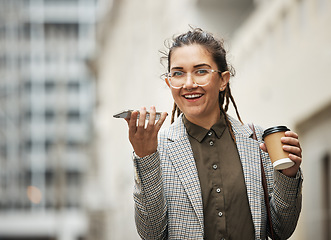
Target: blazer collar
239,128
177,130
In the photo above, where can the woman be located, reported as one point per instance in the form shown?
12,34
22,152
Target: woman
201,177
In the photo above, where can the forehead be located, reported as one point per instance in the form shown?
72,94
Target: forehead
190,55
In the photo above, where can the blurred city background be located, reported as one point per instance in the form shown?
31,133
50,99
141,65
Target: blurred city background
66,66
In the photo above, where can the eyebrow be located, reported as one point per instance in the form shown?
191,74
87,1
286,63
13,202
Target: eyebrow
202,65
195,66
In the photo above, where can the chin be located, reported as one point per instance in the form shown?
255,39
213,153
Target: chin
194,113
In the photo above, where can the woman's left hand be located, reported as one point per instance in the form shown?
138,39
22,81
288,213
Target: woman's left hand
291,145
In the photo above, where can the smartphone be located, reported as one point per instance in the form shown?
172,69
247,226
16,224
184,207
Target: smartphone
127,114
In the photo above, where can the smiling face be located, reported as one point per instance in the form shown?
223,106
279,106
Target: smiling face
199,104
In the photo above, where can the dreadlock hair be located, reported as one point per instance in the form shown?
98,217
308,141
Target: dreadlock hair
216,48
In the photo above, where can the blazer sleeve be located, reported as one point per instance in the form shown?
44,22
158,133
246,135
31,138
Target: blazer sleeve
286,204
285,195
150,204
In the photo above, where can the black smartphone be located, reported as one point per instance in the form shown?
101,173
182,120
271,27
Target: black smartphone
127,114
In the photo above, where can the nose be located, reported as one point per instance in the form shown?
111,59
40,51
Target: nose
189,84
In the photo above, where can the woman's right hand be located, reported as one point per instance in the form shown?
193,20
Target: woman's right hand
144,139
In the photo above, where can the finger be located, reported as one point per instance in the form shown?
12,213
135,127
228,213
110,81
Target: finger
161,121
290,141
151,120
263,147
132,122
142,118
295,158
293,150
292,171
291,134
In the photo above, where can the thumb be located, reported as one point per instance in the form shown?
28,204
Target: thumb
263,147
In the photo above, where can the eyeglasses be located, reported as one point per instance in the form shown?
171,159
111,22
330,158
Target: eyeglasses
177,79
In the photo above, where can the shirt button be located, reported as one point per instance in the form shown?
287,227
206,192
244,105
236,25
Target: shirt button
220,214
210,133
211,143
214,166
218,190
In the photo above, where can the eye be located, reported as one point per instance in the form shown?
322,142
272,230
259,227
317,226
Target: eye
177,74
200,72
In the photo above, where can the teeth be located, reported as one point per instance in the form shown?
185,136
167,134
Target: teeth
193,96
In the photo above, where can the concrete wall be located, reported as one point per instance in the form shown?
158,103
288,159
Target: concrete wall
282,54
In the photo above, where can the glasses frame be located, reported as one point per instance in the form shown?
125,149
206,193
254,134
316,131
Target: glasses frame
167,78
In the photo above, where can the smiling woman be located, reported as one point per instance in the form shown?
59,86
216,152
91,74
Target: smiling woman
199,104
213,49
201,177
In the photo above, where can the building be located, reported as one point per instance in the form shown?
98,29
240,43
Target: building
282,55
46,106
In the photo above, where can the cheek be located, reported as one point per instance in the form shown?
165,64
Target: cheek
177,97
175,93
214,95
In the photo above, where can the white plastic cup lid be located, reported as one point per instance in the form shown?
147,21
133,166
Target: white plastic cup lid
283,164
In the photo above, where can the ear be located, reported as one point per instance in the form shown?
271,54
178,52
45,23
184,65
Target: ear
224,80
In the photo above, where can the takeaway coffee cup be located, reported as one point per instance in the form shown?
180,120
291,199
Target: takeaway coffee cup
278,156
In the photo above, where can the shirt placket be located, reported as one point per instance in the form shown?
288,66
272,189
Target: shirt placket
217,188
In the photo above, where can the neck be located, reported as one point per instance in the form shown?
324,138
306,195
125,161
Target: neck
205,122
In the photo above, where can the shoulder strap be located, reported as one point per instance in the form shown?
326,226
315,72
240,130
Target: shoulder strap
265,189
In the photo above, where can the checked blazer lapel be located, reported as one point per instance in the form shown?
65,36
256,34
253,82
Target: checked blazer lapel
181,155
250,159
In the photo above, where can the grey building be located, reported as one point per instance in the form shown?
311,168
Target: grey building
46,106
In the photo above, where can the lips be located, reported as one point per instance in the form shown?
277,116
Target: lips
192,96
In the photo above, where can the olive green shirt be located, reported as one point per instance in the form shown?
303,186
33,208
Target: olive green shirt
225,204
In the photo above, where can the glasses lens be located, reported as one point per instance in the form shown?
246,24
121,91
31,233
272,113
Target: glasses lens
200,77
177,78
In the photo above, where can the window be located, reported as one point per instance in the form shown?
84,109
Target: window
28,115
66,30
49,115
3,151
73,86
73,115
326,199
28,145
49,86
27,85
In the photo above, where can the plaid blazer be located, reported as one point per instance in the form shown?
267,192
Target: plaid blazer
167,194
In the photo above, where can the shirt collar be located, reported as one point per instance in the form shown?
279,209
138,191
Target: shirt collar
199,133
